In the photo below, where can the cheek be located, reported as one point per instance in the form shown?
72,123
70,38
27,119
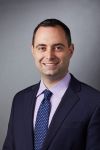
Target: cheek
37,57
67,55
65,60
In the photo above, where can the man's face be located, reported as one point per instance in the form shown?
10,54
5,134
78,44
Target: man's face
51,52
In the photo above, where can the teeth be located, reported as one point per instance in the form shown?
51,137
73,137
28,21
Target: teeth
50,64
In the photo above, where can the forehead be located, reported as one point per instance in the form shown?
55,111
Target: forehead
47,34
57,29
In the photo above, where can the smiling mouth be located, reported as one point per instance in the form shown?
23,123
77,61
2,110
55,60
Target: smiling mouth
50,65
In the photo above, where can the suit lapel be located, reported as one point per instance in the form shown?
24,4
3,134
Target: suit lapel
69,100
29,105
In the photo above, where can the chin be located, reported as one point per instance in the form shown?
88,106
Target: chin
50,73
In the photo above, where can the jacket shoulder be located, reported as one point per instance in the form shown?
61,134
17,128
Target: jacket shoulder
81,86
84,90
27,91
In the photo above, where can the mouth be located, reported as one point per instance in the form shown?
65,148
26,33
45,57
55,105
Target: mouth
50,65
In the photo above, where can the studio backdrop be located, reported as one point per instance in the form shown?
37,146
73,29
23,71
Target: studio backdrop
18,19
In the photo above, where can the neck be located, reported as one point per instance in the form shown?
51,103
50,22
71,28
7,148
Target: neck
49,82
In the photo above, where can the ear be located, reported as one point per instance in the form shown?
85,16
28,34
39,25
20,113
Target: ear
32,50
71,49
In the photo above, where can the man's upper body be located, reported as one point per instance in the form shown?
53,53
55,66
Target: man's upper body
74,126
74,121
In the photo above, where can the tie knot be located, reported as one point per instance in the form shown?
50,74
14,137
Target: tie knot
47,94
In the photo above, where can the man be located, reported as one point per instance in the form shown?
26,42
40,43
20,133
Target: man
70,119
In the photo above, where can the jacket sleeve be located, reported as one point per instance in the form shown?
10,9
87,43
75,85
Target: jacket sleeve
9,140
93,136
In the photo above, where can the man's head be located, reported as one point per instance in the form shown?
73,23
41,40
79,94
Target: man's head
52,49
53,23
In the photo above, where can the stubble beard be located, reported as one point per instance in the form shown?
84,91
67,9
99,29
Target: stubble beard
53,76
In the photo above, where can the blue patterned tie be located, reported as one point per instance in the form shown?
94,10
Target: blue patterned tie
41,126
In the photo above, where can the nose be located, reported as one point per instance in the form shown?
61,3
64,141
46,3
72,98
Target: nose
50,54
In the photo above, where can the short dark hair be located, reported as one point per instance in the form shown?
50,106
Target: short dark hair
53,23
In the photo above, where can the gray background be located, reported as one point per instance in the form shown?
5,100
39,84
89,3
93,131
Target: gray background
17,22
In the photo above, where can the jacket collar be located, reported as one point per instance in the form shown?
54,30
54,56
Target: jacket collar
69,100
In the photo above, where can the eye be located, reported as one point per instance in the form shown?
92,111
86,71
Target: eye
41,48
59,48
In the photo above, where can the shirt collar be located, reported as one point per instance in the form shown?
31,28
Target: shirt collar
41,88
61,86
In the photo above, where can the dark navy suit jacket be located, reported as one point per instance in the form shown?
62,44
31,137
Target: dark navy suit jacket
75,124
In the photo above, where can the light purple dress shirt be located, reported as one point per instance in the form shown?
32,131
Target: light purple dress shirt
58,91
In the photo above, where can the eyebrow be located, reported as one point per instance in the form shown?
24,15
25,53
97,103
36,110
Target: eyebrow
40,45
56,44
